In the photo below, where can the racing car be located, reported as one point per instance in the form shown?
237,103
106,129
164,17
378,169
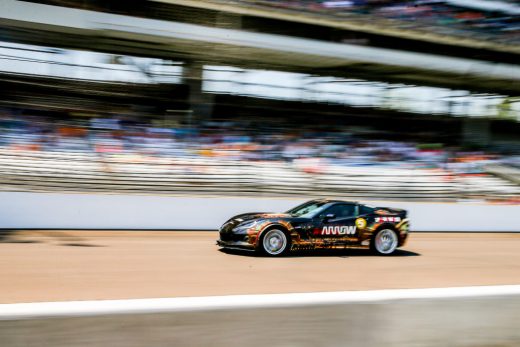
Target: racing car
318,224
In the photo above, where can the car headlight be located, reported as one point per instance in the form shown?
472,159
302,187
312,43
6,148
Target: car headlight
242,228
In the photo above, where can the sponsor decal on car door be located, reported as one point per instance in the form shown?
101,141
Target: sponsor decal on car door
338,230
338,221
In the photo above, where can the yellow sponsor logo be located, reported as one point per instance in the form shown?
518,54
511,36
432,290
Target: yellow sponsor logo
361,223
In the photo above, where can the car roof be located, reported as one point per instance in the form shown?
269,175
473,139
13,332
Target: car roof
335,201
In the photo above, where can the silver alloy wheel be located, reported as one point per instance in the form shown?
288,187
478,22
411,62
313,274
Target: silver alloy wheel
386,241
274,242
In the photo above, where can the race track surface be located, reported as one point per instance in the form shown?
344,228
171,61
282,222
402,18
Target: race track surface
89,265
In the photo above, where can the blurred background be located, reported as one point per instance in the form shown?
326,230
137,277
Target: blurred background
365,99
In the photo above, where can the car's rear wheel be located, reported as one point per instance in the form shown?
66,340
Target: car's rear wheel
385,242
274,242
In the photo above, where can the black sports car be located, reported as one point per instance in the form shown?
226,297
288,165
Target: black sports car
318,224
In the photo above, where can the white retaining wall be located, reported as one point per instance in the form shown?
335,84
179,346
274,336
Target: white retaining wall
103,211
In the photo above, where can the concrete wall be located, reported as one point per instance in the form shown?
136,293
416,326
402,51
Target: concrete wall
99,211
357,319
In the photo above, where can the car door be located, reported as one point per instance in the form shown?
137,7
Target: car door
337,222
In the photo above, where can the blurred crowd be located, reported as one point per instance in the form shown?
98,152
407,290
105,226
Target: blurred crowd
500,19
307,148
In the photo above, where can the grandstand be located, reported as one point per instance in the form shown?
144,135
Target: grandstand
235,98
67,172
111,158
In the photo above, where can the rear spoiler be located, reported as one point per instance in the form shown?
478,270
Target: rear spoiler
392,211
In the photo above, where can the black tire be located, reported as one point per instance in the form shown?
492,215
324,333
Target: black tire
274,242
384,242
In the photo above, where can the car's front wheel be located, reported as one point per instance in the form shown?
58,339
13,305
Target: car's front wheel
274,242
385,242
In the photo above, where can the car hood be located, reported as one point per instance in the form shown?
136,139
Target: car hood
245,217
259,215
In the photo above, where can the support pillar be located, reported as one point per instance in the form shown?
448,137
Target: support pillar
201,104
476,132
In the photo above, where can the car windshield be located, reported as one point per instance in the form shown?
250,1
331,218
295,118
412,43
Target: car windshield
307,209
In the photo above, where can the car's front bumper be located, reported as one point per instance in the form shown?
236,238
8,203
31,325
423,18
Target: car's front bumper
236,245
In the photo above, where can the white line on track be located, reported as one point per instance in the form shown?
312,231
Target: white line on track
184,304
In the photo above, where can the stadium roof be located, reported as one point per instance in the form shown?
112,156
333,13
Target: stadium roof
124,34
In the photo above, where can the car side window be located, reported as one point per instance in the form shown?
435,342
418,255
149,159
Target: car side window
365,210
341,211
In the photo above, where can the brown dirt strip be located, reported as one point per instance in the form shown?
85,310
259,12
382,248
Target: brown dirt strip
90,265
